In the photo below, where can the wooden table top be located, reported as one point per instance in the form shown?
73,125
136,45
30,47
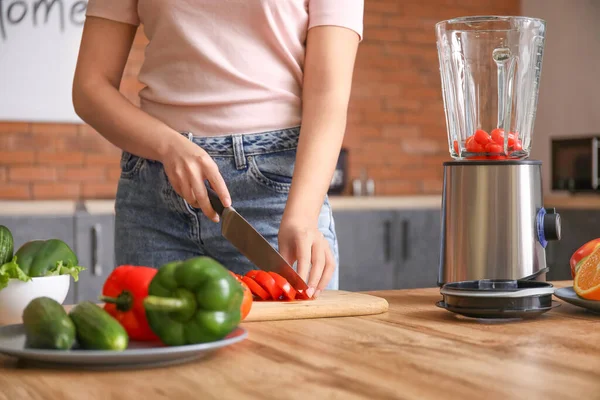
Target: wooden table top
414,351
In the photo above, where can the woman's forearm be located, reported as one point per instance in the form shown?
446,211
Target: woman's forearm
329,65
122,123
96,95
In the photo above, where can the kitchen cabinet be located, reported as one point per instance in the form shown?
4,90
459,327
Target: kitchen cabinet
578,227
94,238
418,248
388,249
26,228
366,249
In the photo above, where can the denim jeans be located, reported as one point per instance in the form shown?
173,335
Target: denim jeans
154,225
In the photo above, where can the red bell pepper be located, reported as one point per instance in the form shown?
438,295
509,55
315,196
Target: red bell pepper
124,292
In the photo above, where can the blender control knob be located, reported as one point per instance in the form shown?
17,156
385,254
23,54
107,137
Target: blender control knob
551,227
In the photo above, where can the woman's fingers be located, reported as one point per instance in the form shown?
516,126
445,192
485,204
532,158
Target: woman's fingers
196,183
217,183
318,262
329,268
303,255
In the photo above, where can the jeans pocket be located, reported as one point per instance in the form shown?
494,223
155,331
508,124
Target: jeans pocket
274,170
130,164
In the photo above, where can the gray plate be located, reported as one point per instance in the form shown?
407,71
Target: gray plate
568,294
137,355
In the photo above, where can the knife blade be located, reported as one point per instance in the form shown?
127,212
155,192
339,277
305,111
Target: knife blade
242,235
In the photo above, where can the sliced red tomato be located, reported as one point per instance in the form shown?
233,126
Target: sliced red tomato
255,288
301,295
252,274
289,293
482,137
267,282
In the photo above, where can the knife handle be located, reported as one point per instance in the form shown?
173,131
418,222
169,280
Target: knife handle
215,202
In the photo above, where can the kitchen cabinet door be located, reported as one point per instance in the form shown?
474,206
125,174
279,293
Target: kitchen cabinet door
418,248
95,247
42,227
578,227
366,249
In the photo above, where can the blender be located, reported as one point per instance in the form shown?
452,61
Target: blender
495,228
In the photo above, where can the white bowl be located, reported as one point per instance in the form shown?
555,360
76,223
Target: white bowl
15,297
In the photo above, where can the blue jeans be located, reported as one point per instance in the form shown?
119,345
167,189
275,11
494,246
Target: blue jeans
154,225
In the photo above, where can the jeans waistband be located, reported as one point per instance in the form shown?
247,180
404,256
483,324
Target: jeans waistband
249,143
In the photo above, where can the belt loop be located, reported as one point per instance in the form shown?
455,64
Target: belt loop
238,151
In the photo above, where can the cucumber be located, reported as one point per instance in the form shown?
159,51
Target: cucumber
97,329
6,245
47,325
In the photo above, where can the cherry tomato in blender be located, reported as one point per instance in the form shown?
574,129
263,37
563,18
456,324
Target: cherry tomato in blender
482,137
493,148
473,146
498,136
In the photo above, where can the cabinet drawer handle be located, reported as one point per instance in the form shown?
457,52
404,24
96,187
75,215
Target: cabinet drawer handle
405,250
387,239
96,249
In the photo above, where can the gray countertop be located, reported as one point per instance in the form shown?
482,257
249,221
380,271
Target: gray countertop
59,207
339,203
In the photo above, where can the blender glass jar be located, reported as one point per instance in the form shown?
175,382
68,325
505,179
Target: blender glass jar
490,70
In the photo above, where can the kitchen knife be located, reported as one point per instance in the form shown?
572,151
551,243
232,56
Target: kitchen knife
252,244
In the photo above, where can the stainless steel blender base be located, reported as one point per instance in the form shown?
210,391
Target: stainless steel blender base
494,225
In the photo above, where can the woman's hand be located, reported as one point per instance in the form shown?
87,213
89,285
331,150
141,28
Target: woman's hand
187,168
98,102
308,246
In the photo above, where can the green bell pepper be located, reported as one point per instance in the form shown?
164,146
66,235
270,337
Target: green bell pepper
193,301
45,257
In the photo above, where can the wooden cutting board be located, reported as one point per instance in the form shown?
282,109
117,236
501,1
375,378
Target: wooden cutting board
331,303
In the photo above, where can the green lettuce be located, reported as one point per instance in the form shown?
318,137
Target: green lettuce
68,269
11,270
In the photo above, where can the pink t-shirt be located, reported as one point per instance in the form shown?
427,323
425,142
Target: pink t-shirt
217,67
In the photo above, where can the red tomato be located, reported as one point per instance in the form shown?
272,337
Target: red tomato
301,295
493,148
247,301
252,274
268,283
255,288
511,140
482,137
498,136
517,145
473,146
581,254
288,291
456,147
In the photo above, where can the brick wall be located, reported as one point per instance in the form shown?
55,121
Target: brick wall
396,126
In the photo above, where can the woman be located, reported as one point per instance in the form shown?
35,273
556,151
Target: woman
250,96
